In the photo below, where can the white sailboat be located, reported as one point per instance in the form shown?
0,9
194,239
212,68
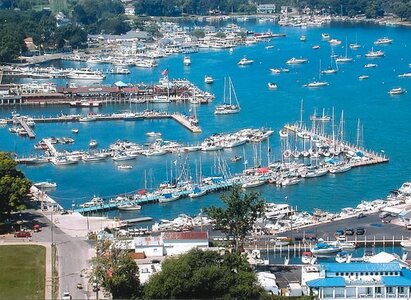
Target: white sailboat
344,59
331,69
232,107
319,83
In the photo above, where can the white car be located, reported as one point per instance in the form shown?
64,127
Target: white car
66,296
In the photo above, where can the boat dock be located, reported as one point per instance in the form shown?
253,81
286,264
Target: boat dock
373,157
136,220
23,123
179,118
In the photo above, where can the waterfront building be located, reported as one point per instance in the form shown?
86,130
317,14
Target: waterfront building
149,246
358,280
266,8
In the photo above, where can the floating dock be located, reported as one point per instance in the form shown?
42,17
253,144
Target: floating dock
22,122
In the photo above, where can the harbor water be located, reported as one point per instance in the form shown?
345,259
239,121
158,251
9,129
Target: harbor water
384,119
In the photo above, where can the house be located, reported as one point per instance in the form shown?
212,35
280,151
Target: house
360,280
147,270
129,10
268,281
150,246
266,9
30,44
176,243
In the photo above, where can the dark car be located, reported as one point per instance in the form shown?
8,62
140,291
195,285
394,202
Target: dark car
23,234
349,231
359,231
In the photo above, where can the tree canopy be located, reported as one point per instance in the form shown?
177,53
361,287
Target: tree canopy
239,214
14,187
204,275
116,271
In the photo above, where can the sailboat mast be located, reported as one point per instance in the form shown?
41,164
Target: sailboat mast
301,114
357,142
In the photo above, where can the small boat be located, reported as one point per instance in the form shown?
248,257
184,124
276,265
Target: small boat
153,134
383,41
296,61
197,192
316,84
244,61
307,257
334,42
187,60
208,79
74,130
303,38
124,167
129,207
355,46
253,183
374,54
45,185
236,158
93,144
406,245
168,197
269,47
397,91
362,77
325,36
370,66
405,75
272,86
342,257
324,248
316,47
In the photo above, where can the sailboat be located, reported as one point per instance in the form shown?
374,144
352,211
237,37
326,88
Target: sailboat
330,69
344,59
319,83
230,107
355,46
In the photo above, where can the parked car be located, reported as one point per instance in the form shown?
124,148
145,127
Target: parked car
79,286
66,296
339,232
23,234
359,231
349,231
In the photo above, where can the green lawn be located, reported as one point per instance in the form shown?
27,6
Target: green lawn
22,272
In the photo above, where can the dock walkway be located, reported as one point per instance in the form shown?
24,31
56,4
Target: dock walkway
22,122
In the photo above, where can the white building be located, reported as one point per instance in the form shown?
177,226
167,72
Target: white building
266,8
147,270
268,281
150,246
176,243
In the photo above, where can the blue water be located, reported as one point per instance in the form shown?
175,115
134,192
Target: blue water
385,120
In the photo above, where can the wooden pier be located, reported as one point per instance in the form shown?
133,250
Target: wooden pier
186,123
22,122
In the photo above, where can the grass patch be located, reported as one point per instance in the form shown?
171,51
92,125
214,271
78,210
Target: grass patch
55,284
22,272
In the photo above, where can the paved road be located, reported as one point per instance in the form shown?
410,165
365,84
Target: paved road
72,255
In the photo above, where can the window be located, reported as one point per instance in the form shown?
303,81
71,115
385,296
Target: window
401,290
378,290
390,290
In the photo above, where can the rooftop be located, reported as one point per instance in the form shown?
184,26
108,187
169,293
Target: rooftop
189,235
361,267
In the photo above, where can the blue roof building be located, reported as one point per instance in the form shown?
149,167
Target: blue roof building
359,280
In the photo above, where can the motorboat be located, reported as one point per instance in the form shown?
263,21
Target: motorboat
307,257
236,158
334,42
325,36
370,66
244,62
187,60
45,185
296,61
95,201
93,144
283,133
253,183
325,248
404,75
125,167
153,134
406,244
129,207
397,91
272,86
198,192
342,257
303,38
168,197
123,156
340,168
383,41
315,47
74,130
355,46
208,79
362,77
374,54
405,188
85,74
316,84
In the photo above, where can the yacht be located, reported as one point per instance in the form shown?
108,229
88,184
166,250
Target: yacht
397,91
208,79
74,130
362,77
324,248
146,63
123,157
405,75
355,46
340,168
325,36
153,134
316,84
383,41
197,192
296,61
334,42
168,197
124,167
343,59
405,188
88,118
93,144
95,201
187,60
244,61
129,207
45,185
370,66
119,71
374,54
272,86
229,106
85,74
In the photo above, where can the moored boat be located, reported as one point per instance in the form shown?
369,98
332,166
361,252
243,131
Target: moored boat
397,91
322,248
272,86
129,207
45,185
208,79
244,62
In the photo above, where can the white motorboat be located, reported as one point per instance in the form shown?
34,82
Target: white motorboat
355,46
95,201
322,248
283,133
187,60
74,130
370,66
383,41
405,188
374,54
342,257
397,91
404,75
236,158
198,192
123,156
129,207
316,84
208,79
406,245
94,157
92,144
230,105
168,197
340,168
89,118
362,77
307,257
125,167
325,36
315,47
153,134
296,61
334,42
303,38
244,62
45,185
253,183
272,86
85,74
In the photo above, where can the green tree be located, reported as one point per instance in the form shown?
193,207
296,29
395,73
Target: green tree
239,215
14,187
116,271
204,275
198,33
